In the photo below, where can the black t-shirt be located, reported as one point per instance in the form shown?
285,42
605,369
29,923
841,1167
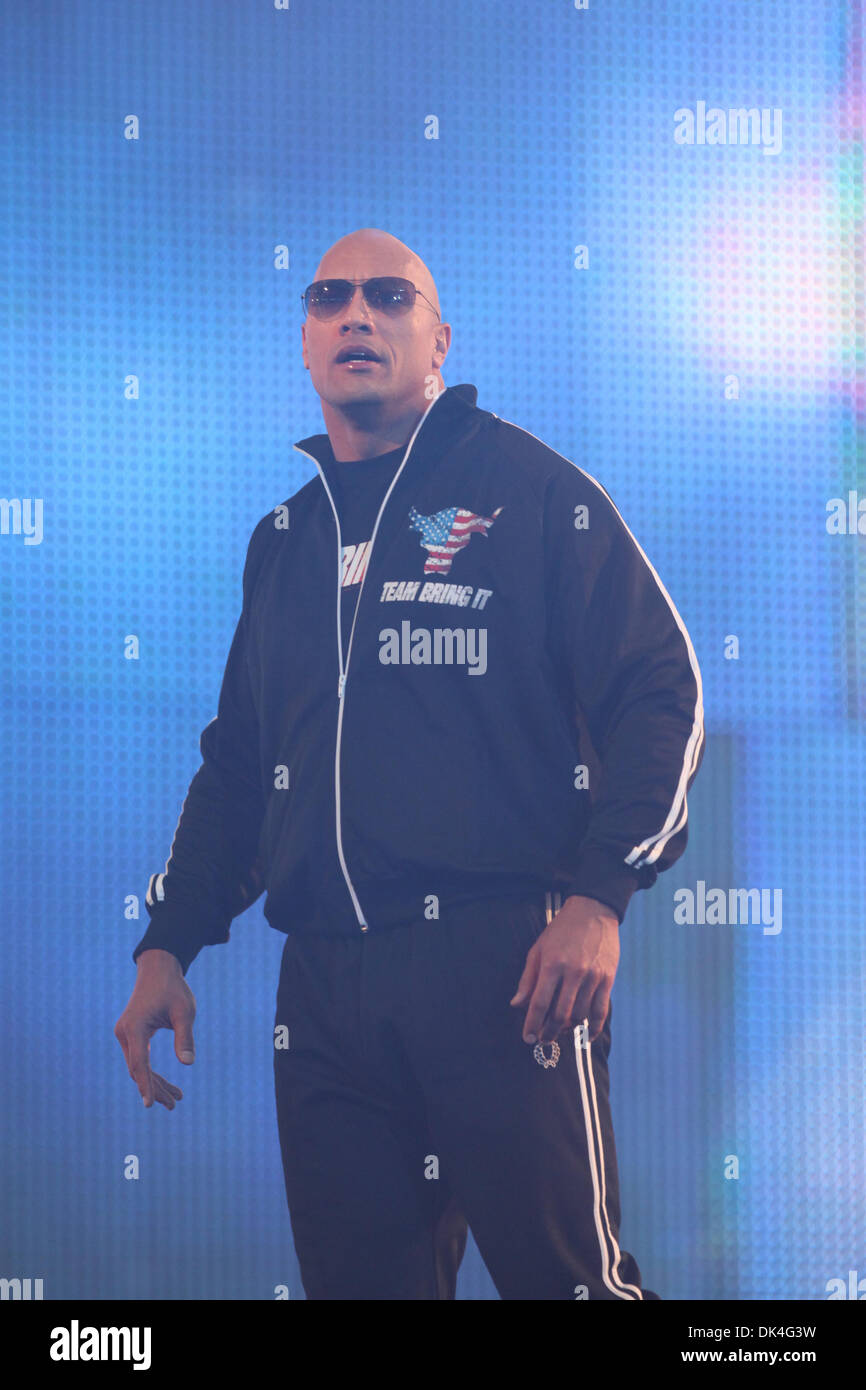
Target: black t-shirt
358,486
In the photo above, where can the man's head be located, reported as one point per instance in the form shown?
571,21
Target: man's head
410,347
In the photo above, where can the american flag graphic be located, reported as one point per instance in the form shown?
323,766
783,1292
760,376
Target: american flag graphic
447,532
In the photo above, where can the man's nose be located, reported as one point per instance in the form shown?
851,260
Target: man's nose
357,312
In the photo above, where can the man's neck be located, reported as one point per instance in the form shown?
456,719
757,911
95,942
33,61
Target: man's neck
367,431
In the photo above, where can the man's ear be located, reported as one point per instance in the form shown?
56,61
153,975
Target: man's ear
304,345
443,342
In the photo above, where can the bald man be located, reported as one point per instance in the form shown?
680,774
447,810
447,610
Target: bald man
457,726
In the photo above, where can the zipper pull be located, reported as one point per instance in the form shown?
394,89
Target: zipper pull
340,684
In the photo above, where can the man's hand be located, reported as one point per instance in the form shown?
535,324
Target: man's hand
569,971
161,999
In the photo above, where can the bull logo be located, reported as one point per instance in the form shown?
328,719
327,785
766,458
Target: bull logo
447,532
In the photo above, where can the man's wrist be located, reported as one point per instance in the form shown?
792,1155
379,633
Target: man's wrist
602,909
159,957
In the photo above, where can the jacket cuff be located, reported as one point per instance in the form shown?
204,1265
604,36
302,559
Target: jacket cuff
605,877
183,940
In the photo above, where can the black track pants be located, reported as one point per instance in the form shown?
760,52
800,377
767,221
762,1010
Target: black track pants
408,1104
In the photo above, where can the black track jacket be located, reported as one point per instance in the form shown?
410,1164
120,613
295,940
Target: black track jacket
520,709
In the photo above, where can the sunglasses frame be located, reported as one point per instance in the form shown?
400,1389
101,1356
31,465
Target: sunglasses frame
373,279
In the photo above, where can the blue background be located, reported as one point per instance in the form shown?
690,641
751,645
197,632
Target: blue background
707,365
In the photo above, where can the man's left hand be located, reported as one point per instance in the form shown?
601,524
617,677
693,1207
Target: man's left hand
569,971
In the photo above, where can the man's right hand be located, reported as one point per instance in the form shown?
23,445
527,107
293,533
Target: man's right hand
161,999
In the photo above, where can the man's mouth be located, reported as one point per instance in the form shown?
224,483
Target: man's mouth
358,357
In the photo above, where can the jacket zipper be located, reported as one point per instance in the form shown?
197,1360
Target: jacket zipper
344,668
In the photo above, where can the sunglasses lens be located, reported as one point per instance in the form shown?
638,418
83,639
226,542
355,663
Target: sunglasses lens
390,293
327,297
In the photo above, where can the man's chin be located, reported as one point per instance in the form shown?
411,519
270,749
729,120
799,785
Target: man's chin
357,393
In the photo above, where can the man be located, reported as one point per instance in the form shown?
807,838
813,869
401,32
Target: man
458,723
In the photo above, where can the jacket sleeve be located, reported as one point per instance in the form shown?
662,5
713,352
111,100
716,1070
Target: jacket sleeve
630,666
211,874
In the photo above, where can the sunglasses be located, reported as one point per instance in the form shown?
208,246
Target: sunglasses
393,295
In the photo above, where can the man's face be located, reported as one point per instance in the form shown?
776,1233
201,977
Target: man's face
411,347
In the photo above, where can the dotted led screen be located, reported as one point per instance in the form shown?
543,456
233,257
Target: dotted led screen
643,228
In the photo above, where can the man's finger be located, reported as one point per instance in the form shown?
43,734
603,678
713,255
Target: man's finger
138,1061
162,1093
174,1091
539,1004
561,1010
184,1047
588,1000
120,1034
598,1014
161,1096
527,979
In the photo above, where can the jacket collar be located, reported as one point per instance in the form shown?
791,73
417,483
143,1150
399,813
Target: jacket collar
445,420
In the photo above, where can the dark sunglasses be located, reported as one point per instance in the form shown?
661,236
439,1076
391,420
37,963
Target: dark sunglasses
325,298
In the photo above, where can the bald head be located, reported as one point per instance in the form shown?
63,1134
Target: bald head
372,405
370,251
